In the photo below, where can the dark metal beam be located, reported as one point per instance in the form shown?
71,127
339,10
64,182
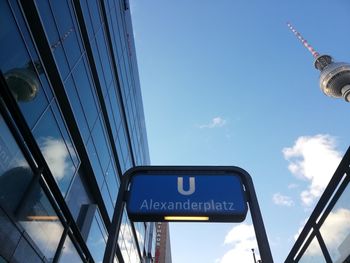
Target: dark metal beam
334,191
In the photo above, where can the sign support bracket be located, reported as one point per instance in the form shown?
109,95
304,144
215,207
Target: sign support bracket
260,233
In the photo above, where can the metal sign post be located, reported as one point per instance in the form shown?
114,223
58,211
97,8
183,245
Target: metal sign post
187,193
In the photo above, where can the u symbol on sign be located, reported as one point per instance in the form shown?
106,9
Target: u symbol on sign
180,186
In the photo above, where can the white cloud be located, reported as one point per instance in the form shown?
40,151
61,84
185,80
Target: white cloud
313,159
282,200
57,156
214,123
242,238
46,235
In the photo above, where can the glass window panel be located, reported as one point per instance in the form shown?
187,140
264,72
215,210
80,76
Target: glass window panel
123,250
87,19
8,150
9,236
99,138
111,116
25,85
77,109
98,65
55,151
23,26
89,75
128,237
120,156
336,228
112,183
140,233
25,253
123,142
40,221
134,257
116,40
71,46
102,226
15,174
30,46
95,14
96,242
85,92
95,163
22,195
115,107
45,12
69,253
128,163
46,86
62,16
67,138
61,60
48,21
101,42
75,22
107,200
78,195
67,31
313,253
124,221
13,186
18,69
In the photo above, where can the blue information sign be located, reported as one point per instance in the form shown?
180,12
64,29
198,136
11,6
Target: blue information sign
187,197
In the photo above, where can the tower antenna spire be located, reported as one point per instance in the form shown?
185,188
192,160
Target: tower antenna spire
334,76
303,41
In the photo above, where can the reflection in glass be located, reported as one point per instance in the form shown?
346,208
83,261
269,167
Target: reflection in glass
100,141
112,182
96,242
95,163
69,253
20,73
85,92
313,254
45,233
55,150
26,88
140,233
23,83
126,242
77,108
336,229
22,196
107,200
78,195
25,253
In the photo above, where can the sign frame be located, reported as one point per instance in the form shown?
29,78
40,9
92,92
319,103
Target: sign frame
259,228
187,205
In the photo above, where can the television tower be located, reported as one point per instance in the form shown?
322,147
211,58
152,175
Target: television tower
334,76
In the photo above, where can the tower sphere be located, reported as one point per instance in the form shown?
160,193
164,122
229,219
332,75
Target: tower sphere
334,77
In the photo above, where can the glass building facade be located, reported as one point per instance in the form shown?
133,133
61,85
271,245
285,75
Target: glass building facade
71,124
326,235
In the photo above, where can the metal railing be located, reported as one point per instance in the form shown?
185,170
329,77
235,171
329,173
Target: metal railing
311,231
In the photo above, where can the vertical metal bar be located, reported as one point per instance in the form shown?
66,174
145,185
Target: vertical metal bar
61,244
260,232
323,247
113,231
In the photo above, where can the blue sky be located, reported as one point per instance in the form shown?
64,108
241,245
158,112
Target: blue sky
227,83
